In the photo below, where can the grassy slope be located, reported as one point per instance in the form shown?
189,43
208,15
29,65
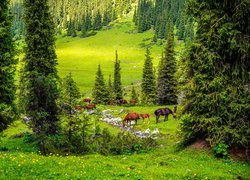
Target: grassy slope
22,161
81,56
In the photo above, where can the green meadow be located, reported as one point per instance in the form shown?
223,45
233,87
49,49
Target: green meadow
81,56
23,161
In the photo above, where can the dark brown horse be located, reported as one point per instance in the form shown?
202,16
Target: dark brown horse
164,112
132,116
122,101
90,107
87,100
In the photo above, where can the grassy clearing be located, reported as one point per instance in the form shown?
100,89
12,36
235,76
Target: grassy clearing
81,56
23,162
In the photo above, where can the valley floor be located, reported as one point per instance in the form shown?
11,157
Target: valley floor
22,161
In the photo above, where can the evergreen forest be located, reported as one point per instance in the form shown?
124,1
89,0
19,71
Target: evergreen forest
124,89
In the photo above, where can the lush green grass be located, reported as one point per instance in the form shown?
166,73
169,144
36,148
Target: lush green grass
23,162
81,56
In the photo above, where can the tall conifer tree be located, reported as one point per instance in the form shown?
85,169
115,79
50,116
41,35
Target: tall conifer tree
40,69
117,87
100,93
166,83
148,80
218,98
7,68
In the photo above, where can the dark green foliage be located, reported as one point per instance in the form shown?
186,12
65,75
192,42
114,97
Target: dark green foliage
148,85
221,150
117,87
189,31
134,95
79,142
122,143
166,82
100,93
7,68
217,96
145,14
97,24
70,91
135,18
181,29
40,74
110,88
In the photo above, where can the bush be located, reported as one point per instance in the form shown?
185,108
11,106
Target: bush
221,150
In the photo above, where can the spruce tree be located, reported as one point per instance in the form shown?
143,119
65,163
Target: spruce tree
117,87
217,93
40,77
69,96
134,95
148,85
100,93
97,24
7,68
166,83
110,88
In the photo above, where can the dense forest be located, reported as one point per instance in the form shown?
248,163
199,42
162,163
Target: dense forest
201,85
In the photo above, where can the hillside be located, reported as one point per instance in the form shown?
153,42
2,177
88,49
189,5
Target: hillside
81,56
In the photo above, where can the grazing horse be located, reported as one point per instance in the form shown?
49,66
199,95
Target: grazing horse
144,116
122,101
78,107
87,100
90,106
132,101
164,112
133,116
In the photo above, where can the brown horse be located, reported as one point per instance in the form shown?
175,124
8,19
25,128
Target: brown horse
144,116
132,101
88,100
78,107
164,112
132,116
90,107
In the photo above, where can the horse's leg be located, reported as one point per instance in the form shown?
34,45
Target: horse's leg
157,118
166,117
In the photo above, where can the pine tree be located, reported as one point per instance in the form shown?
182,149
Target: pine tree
117,87
166,83
148,80
97,25
217,93
110,87
100,93
69,96
7,68
181,29
135,16
134,95
73,29
69,29
40,77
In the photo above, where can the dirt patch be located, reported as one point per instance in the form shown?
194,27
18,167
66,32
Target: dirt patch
200,144
240,153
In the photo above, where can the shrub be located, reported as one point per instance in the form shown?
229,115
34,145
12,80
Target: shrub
221,150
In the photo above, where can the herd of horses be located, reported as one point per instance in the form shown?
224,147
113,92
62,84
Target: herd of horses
131,116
